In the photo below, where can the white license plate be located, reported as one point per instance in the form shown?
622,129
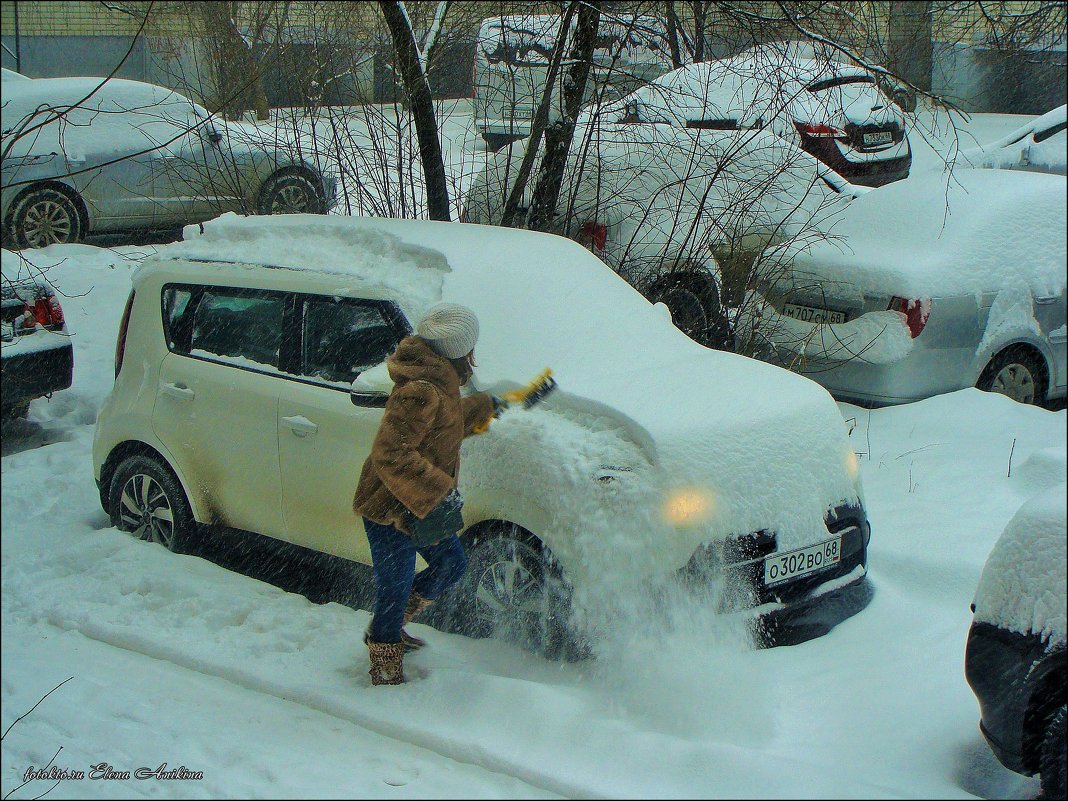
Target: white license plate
813,314
780,567
879,138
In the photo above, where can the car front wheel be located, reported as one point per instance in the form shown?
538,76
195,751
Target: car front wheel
514,592
1017,374
147,501
44,217
1053,766
293,193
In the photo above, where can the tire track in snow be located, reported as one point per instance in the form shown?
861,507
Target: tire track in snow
473,755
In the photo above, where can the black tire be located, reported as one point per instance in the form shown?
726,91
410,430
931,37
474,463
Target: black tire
1053,762
291,193
144,493
695,309
44,216
512,591
1016,373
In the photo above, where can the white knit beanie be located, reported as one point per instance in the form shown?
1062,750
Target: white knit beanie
450,329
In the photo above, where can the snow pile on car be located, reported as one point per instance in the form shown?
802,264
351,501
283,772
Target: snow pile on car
938,234
1024,581
363,257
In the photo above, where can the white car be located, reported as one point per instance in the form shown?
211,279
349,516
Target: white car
835,111
1039,146
250,383
930,285
675,211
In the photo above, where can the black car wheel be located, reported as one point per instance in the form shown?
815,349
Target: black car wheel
695,309
512,591
293,193
44,217
1053,766
147,501
1017,374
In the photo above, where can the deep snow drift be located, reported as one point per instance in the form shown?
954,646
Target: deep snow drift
177,660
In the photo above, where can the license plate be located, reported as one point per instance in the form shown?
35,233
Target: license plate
813,314
879,138
780,567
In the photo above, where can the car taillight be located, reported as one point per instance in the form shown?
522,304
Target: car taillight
120,345
820,130
596,233
915,311
47,312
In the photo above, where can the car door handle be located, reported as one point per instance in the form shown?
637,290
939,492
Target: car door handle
300,426
180,391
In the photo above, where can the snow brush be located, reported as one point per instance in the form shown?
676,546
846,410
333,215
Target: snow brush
530,395
534,392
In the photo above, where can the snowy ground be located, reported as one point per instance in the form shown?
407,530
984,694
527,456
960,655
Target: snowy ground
173,659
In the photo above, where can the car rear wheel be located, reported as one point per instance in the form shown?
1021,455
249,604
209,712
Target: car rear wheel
1053,766
44,217
695,309
147,501
1017,374
513,591
293,193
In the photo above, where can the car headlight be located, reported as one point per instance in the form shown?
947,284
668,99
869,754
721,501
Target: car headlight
689,506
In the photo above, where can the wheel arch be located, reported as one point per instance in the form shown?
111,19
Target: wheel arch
59,186
1019,344
129,448
295,169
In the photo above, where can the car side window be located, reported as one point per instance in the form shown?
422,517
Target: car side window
344,336
240,326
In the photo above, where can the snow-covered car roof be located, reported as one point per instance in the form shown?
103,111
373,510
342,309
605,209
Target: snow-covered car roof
1041,143
707,417
78,116
1023,585
940,234
751,90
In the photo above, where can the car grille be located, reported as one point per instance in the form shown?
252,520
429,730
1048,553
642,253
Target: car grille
735,566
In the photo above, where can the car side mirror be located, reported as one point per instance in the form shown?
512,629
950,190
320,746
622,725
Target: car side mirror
212,135
371,388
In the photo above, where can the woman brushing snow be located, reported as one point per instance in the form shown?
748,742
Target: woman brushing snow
407,490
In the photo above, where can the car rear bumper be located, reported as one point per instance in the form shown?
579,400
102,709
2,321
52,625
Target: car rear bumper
871,172
996,663
36,373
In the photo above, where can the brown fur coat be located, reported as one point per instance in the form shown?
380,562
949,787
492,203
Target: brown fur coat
415,457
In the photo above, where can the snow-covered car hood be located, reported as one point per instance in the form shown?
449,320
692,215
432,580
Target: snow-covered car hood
1022,588
765,448
939,235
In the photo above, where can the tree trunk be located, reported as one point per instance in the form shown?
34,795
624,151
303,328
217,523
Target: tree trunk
239,86
911,49
673,35
559,134
537,125
421,105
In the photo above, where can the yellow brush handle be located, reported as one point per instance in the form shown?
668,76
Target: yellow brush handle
520,395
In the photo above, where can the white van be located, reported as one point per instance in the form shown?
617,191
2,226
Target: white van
512,59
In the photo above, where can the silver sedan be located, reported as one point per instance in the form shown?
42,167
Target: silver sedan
85,156
929,285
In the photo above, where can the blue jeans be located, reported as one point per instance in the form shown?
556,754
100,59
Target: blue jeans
393,559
